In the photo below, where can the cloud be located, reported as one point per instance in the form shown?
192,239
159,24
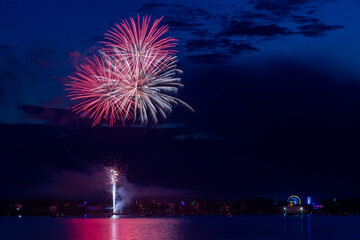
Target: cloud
96,38
179,17
55,102
212,58
304,19
195,45
312,11
5,47
41,52
250,15
171,125
317,29
56,116
48,114
181,24
218,37
13,61
176,9
250,28
242,47
43,63
12,76
200,33
151,6
279,7
43,57
226,46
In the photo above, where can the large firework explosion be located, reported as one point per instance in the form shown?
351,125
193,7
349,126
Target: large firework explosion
134,76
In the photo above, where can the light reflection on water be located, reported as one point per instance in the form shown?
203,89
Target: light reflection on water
314,227
123,228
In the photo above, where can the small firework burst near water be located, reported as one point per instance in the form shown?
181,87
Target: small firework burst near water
134,77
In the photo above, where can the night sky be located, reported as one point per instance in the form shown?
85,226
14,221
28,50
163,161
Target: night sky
275,86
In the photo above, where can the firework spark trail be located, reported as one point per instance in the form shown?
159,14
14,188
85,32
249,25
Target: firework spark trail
135,76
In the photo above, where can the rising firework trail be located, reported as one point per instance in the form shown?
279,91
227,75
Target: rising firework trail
114,175
117,174
134,77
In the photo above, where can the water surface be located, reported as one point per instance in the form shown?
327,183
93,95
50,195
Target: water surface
314,227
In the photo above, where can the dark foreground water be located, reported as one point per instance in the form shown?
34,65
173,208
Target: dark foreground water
315,227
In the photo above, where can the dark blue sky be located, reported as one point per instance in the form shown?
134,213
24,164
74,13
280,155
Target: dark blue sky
277,80
43,41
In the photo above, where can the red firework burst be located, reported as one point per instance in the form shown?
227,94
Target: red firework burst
134,77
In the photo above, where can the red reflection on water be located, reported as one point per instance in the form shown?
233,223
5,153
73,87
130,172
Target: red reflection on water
123,228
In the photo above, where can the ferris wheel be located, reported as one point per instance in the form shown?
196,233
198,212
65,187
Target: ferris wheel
294,200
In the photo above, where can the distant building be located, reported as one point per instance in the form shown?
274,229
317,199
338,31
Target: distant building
18,207
95,208
53,208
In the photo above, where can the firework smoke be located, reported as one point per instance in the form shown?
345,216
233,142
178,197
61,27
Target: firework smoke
94,183
128,192
134,76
